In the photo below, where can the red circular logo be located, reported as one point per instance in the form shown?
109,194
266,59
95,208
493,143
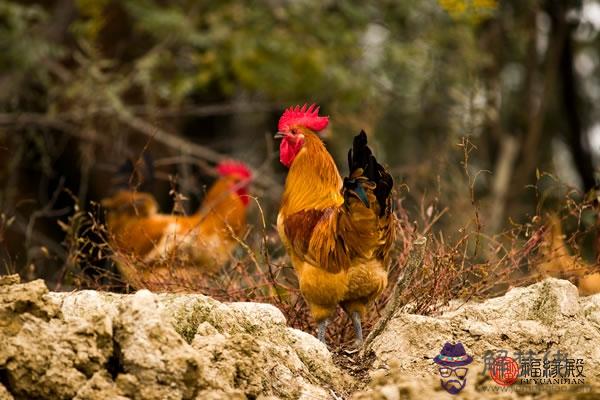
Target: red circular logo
504,371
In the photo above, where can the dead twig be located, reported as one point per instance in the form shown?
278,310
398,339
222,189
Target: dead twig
413,263
21,225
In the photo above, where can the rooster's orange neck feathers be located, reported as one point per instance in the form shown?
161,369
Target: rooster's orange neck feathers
313,181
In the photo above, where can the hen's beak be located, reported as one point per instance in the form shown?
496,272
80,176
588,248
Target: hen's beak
279,135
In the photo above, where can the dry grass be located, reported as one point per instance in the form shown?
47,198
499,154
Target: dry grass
469,266
462,265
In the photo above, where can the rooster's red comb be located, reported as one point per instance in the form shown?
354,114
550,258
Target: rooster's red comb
230,167
306,117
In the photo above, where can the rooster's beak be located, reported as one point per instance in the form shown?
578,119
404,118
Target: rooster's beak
279,135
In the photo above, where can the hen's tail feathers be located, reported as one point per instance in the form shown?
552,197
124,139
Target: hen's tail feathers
367,174
135,173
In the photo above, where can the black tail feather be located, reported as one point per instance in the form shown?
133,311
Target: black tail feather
360,156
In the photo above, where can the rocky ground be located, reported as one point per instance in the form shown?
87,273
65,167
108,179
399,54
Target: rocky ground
544,317
95,345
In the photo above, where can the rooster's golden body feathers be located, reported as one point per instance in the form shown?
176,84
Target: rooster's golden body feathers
170,252
338,232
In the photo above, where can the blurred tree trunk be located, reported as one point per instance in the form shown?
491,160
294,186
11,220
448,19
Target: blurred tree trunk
503,146
576,135
539,93
503,172
63,14
558,67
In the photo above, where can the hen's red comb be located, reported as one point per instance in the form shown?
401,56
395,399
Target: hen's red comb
308,118
230,167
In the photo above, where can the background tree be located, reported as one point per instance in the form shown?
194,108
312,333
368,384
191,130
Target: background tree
468,101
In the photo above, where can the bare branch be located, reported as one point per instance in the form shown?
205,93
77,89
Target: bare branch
138,124
170,139
39,119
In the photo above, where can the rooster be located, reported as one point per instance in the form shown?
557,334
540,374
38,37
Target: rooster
557,262
337,232
160,251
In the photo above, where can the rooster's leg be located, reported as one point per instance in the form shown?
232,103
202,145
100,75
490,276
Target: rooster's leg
355,316
322,327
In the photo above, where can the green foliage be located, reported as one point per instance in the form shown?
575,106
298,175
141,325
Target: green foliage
472,11
345,54
23,47
305,49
